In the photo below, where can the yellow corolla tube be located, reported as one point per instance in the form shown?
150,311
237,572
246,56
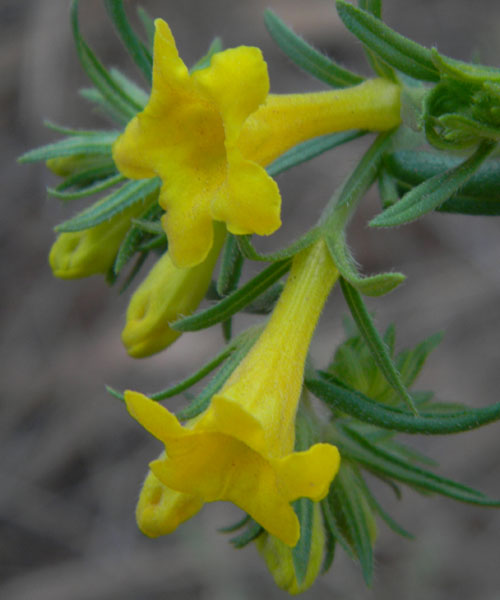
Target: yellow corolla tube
209,134
167,294
242,448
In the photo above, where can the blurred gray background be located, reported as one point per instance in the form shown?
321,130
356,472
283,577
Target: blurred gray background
72,461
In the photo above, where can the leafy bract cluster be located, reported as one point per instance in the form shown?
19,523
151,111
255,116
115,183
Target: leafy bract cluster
250,433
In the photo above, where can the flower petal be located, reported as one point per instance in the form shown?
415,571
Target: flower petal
154,417
249,201
238,82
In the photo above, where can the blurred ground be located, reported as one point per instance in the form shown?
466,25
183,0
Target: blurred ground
71,461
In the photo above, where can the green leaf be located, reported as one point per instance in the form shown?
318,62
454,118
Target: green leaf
338,212
386,464
243,343
410,362
148,24
90,173
375,343
302,243
396,50
95,97
310,149
235,526
97,144
138,95
134,238
233,303
105,84
95,188
304,509
185,384
127,195
230,268
374,7
427,196
340,397
204,61
463,71
331,519
252,531
306,57
264,304
139,53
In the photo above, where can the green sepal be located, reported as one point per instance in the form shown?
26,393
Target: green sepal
127,195
306,57
233,303
386,464
338,212
306,240
97,143
204,61
137,50
304,509
340,397
114,95
347,502
242,345
134,238
230,267
430,194
251,532
375,343
310,149
99,186
396,50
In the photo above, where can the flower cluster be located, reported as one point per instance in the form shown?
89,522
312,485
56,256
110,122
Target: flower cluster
188,177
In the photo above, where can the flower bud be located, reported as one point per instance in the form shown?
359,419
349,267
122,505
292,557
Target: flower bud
167,293
279,557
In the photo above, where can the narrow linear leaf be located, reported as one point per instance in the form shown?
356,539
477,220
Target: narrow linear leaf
332,524
388,465
148,24
233,303
375,343
139,263
88,175
230,268
310,149
103,81
264,304
128,194
74,146
107,108
304,509
306,57
352,402
410,362
204,61
427,196
248,250
235,526
243,344
139,53
463,71
399,52
97,187
150,226
138,94
374,7
242,540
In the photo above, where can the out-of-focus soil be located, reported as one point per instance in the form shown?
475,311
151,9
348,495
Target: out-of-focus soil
71,460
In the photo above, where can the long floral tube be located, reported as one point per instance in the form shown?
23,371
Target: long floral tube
242,448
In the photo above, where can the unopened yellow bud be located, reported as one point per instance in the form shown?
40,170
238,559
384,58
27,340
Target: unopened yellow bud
161,510
167,293
279,559
91,251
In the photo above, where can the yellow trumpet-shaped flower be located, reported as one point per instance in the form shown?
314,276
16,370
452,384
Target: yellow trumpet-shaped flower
209,134
91,251
241,449
161,510
279,559
167,293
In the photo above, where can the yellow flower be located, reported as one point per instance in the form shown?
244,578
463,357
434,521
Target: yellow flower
279,557
161,510
209,134
166,294
91,251
241,449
